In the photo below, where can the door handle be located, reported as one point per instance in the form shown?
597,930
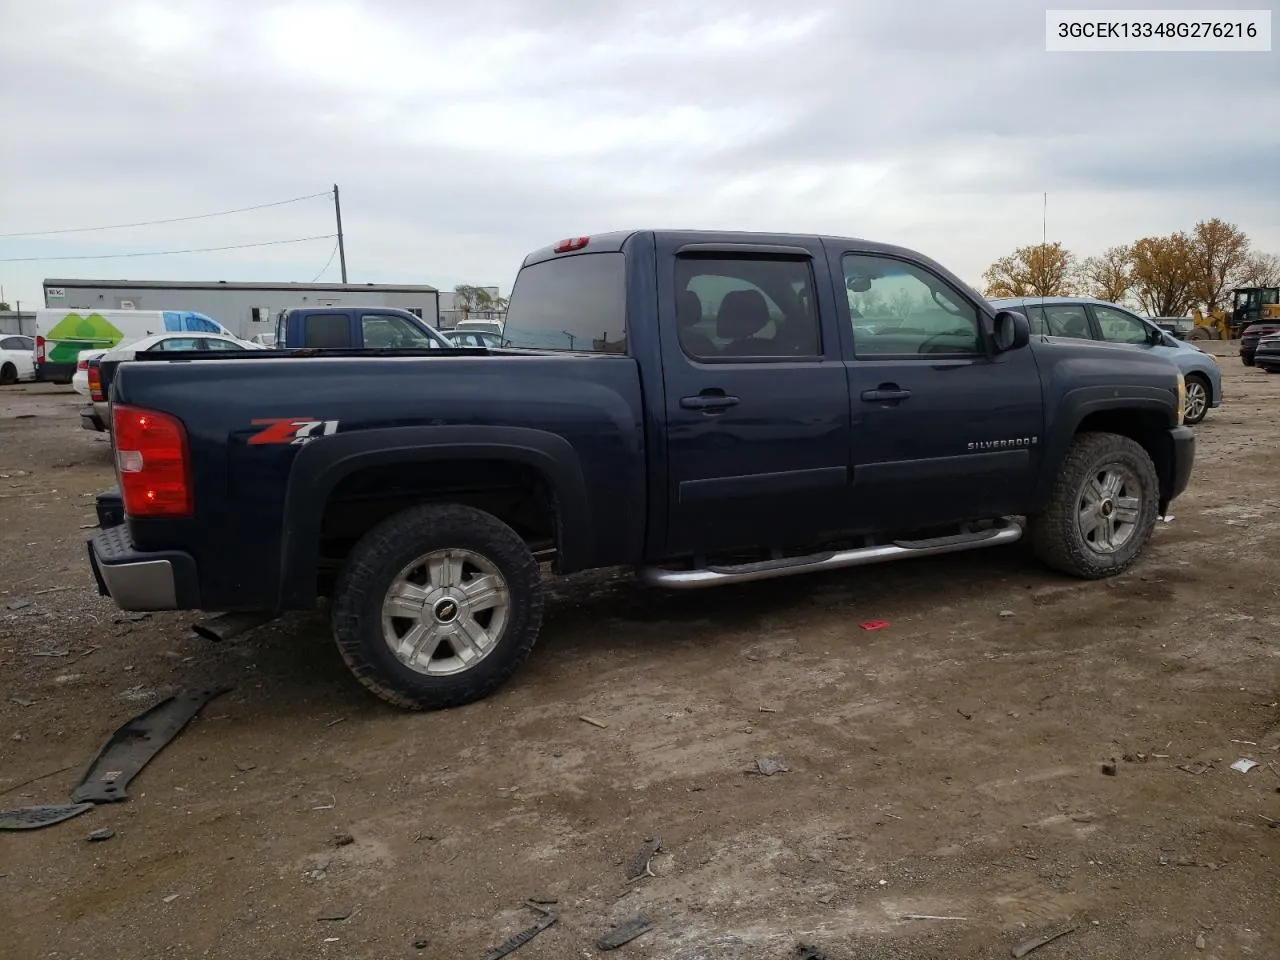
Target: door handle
886,391
708,401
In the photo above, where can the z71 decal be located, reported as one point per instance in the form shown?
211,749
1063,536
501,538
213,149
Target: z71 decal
292,430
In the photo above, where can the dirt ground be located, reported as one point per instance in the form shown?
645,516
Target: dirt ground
949,765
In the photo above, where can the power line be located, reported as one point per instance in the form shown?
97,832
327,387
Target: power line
151,223
165,253
332,254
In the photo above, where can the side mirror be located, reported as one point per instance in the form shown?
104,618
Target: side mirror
1012,330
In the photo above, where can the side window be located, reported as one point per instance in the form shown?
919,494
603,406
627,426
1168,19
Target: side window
11,343
1067,320
746,308
326,330
1120,327
176,343
1035,316
213,344
385,331
900,310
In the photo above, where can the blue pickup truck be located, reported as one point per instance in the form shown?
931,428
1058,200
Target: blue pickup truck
339,328
709,408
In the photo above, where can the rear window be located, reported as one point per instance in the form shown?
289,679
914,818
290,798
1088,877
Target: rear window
327,330
573,303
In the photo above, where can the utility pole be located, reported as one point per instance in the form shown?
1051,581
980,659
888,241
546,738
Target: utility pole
342,251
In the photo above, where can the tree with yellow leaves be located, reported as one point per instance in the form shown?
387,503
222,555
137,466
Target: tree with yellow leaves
1039,270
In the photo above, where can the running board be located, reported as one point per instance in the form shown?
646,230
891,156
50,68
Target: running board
713,576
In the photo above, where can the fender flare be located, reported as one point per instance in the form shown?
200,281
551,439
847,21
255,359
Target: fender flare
322,464
1078,404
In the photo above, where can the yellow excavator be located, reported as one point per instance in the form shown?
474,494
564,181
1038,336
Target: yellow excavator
1250,305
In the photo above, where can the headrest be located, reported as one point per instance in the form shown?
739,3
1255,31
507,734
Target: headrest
743,313
688,309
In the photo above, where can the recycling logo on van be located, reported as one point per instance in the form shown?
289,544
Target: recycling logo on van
74,333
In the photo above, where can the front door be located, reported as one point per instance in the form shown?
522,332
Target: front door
757,402
943,428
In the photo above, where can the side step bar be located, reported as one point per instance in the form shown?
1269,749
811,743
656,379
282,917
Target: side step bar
1007,532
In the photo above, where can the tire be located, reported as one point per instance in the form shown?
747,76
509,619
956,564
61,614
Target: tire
1202,384
1247,361
1057,535
386,557
8,375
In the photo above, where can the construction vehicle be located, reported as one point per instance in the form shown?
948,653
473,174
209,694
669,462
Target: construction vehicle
1250,305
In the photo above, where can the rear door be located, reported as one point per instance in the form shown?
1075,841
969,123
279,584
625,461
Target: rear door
944,429
757,403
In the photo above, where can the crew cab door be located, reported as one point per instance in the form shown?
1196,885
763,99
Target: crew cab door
944,427
756,397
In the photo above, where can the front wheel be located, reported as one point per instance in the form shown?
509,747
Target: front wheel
437,606
1102,509
1197,402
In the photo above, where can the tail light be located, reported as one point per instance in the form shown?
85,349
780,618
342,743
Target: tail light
82,365
96,393
39,349
152,463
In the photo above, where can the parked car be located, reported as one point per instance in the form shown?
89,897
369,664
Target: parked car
473,338
17,359
1088,319
479,326
1267,354
1176,327
697,405
100,367
80,381
348,328
1253,334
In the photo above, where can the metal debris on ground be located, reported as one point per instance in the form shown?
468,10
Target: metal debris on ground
1109,769
639,865
1022,949
874,624
1195,769
135,743
335,915
169,899
33,818
19,604
624,933
1200,941
1244,765
547,918
768,766
926,916
594,722
1006,613
804,952
101,834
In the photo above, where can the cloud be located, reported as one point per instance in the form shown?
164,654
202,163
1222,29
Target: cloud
464,138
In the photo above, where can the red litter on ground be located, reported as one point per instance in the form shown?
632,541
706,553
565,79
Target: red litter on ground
874,624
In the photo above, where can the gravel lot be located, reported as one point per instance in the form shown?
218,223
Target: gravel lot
950,765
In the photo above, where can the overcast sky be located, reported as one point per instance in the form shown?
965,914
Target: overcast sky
463,140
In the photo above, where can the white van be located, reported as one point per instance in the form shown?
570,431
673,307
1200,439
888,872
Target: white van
62,334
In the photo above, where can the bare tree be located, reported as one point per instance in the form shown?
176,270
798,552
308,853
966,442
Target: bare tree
1260,270
1109,276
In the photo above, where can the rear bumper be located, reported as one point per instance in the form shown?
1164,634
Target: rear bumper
1184,457
55,372
142,581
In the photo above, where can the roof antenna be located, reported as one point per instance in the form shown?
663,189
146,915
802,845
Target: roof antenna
1044,256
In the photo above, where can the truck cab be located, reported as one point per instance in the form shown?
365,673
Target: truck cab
355,328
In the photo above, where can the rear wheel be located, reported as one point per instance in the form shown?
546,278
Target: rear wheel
1247,361
1102,509
8,374
437,606
1197,402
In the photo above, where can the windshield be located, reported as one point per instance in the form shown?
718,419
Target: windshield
574,303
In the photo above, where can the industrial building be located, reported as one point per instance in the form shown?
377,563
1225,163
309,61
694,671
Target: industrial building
245,309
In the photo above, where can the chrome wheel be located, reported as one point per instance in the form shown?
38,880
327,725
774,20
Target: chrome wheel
1197,401
445,612
1109,508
